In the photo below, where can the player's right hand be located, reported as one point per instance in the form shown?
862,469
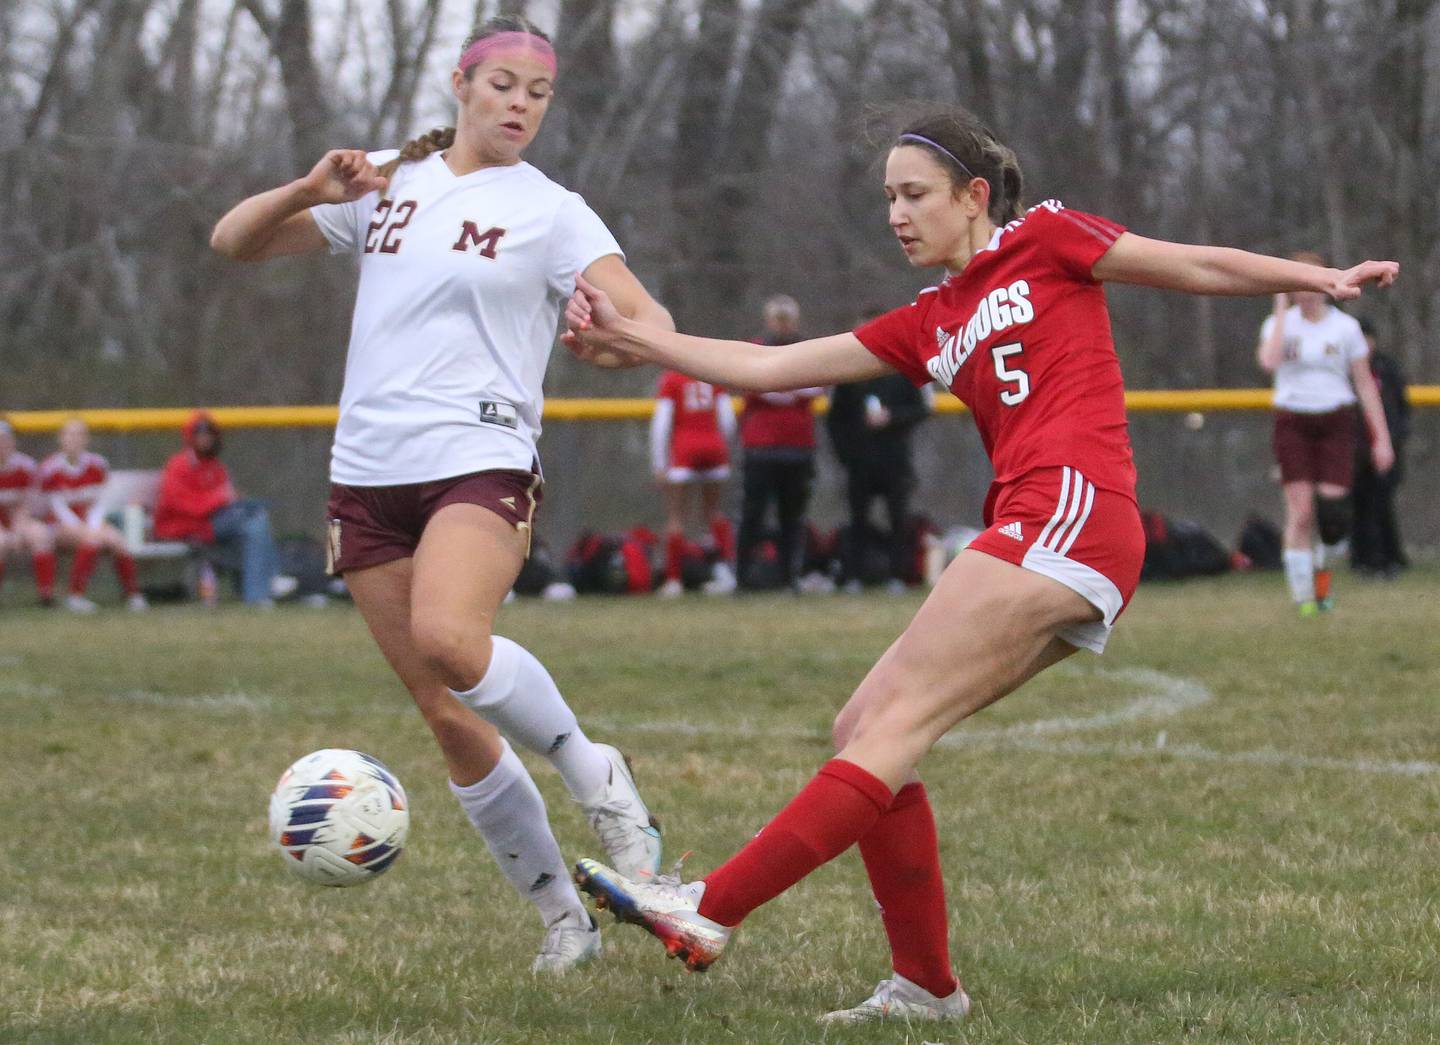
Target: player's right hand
343,176
1348,284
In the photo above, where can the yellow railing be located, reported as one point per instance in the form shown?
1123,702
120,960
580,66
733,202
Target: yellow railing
152,419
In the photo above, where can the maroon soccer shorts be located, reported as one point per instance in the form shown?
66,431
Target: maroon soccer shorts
1056,523
370,525
1317,448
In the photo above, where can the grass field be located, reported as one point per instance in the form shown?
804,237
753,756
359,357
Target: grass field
1225,830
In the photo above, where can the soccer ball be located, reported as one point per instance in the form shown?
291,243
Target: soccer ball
338,817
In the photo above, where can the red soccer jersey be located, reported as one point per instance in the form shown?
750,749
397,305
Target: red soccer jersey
779,419
77,486
1022,338
694,423
17,483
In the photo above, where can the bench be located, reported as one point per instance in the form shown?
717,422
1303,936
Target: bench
131,494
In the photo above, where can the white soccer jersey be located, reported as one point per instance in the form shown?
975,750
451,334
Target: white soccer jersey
461,284
1314,373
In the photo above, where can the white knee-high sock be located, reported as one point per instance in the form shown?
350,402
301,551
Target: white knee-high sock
1300,573
518,697
507,809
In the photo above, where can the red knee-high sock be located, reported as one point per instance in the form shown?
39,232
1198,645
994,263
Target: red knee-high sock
829,815
724,535
125,570
902,858
674,552
43,563
82,568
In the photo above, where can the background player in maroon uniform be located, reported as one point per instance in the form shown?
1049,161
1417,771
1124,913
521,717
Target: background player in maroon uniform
1018,330
690,434
70,484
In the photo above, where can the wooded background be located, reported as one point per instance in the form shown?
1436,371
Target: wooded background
734,147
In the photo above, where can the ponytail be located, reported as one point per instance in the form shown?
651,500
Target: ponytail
413,151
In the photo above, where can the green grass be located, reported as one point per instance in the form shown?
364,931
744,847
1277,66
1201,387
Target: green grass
1248,857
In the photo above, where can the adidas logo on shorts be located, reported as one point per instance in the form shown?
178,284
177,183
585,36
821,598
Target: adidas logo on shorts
1012,530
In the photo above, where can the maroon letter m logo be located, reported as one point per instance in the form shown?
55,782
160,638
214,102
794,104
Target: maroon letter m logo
471,236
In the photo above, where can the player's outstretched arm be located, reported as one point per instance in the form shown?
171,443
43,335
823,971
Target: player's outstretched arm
278,223
1226,271
595,327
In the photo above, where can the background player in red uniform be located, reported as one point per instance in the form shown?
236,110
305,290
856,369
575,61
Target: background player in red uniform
70,484
690,435
17,492
1020,332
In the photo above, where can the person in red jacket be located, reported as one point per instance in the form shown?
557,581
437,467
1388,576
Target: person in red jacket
777,432
198,502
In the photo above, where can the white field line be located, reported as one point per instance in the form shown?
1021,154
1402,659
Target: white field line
1168,695
1263,757
237,701
29,690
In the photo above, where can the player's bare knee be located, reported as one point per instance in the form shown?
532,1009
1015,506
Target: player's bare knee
452,650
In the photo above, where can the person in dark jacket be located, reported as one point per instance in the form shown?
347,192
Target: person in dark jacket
197,502
870,423
1375,546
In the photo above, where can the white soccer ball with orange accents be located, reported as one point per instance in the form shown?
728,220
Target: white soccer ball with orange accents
339,817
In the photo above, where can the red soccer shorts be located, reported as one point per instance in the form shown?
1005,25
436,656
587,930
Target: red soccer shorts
698,460
1057,523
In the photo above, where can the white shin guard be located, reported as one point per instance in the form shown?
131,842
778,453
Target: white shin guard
518,697
507,809
1300,573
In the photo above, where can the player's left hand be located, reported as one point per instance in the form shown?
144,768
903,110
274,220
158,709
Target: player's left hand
1349,283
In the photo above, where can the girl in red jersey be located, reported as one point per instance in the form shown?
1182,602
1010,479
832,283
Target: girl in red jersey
18,476
690,433
1019,331
70,484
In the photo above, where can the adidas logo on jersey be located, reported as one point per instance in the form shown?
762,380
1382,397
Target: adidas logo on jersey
1012,530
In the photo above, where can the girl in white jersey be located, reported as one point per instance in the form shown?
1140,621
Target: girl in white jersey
466,255
1320,361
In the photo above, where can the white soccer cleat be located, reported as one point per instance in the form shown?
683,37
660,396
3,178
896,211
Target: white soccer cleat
721,582
899,999
136,603
671,589
663,906
570,940
620,819
282,586
80,604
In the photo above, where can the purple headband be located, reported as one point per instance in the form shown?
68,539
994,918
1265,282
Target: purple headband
489,46
936,145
